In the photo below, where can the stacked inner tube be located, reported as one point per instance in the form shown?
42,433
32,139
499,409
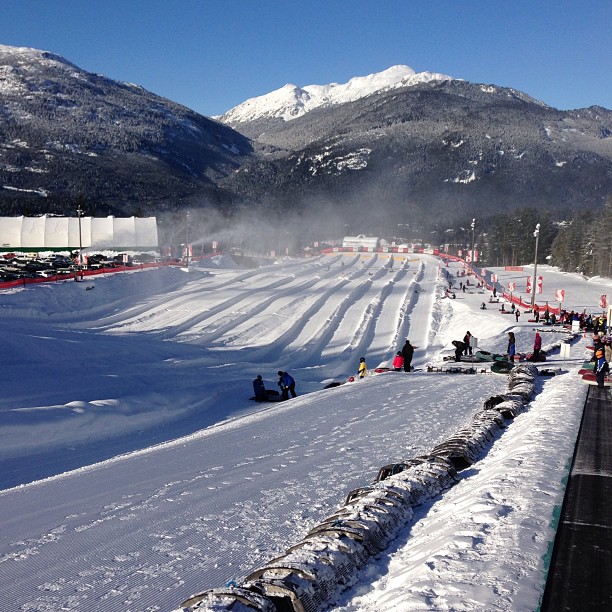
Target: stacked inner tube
312,574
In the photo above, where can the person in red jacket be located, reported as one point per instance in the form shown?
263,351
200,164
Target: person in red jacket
398,362
537,347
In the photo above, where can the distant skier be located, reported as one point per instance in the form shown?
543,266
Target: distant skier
398,361
517,314
407,354
260,389
287,385
363,369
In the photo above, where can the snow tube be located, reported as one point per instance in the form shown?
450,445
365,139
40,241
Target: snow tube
502,367
484,356
587,366
591,379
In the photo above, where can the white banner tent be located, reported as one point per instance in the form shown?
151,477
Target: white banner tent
63,233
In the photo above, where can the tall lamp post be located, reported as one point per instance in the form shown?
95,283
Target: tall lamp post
472,253
534,280
80,214
186,245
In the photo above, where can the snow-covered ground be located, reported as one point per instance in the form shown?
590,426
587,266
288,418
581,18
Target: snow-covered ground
135,471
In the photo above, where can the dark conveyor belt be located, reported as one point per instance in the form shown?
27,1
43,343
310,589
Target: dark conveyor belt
580,574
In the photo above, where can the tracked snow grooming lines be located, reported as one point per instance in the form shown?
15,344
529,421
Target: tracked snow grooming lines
311,575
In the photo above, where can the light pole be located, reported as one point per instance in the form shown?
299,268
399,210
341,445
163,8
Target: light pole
534,281
472,254
188,218
80,214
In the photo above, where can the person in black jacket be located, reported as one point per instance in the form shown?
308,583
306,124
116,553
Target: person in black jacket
260,389
459,349
468,344
407,353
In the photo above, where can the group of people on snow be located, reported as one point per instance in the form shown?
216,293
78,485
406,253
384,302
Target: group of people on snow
403,358
401,361
286,382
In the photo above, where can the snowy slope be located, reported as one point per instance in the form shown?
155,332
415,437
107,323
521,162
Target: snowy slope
139,384
291,101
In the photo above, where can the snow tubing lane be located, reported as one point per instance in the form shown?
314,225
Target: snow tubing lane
312,574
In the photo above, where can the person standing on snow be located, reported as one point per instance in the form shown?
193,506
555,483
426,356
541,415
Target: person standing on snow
602,367
537,347
287,384
466,340
398,361
517,314
407,354
363,369
511,346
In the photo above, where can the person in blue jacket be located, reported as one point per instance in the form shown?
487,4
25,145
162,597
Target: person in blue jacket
511,346
287,384
601,368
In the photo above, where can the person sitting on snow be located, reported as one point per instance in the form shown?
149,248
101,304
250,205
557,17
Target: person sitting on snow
398,361
260,389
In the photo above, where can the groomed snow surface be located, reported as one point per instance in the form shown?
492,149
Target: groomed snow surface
135,471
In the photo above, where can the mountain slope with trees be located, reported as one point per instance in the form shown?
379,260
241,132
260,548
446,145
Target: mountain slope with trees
419,157
66,132
436,151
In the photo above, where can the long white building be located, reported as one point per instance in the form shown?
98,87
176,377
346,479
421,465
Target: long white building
50,233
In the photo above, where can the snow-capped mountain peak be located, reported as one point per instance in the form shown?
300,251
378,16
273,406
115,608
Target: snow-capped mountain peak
291,101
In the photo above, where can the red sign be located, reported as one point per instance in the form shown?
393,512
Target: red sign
603,300
560,295
539,285
511,286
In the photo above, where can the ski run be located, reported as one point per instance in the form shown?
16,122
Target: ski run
136,471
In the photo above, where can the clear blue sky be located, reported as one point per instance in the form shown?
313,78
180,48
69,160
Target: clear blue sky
210,55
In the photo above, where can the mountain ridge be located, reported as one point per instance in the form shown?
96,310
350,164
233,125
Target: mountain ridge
380,149
292,101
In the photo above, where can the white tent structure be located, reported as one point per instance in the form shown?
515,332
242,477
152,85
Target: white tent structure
49,233
361,241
